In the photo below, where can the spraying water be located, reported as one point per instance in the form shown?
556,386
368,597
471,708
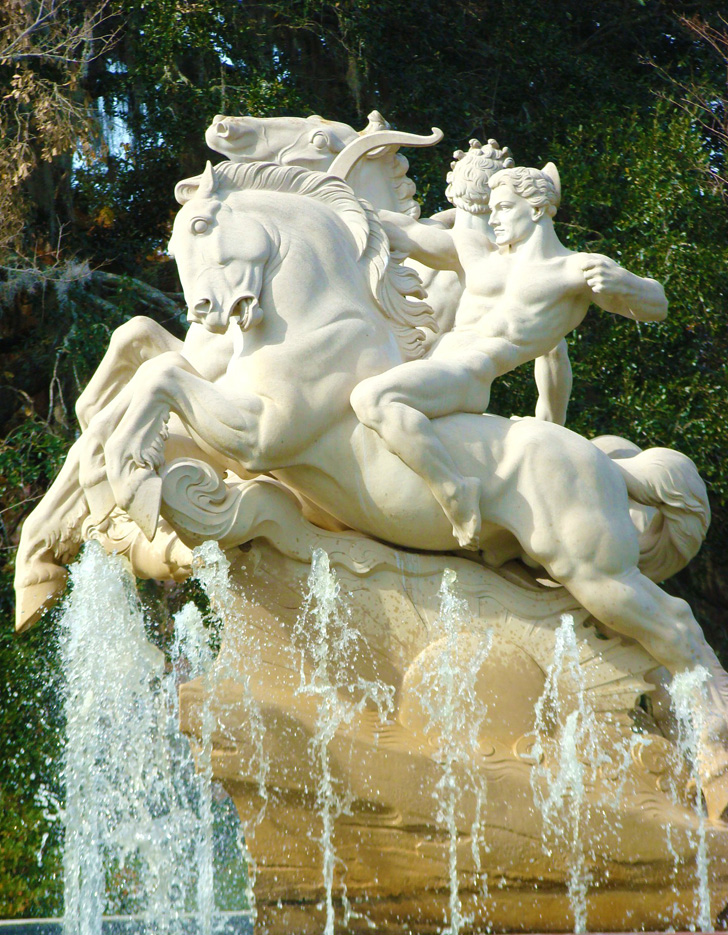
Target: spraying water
581,767
566,740
138,817
191,642
242,664
125,809
327,646
688,696
455,714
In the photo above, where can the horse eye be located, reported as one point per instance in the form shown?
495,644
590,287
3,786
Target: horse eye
200,226
320,140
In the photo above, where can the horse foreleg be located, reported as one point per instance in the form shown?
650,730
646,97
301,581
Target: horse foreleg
133,448
131,345
50,537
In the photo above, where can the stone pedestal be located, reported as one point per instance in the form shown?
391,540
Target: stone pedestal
393,849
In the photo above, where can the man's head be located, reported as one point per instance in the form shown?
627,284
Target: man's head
467,182
520,198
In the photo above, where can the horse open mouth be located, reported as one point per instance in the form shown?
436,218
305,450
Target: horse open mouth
247,311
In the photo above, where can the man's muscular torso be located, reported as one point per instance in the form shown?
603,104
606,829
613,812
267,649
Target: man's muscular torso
530,305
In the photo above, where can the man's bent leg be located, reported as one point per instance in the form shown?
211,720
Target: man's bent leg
398,406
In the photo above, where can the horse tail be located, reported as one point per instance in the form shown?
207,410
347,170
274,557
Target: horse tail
667,481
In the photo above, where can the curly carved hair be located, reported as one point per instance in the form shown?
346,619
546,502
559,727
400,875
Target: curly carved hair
536,186
467,186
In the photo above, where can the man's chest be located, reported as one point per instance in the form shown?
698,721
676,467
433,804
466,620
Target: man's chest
504,280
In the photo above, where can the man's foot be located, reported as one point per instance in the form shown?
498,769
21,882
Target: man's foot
462,508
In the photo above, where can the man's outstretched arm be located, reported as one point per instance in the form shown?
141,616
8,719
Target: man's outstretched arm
427,243
553,380
620,292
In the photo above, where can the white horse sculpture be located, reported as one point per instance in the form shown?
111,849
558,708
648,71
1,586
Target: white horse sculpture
298,267
369,160
372,160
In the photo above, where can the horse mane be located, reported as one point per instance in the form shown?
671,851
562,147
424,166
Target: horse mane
390,283
404,187
395,165
393,287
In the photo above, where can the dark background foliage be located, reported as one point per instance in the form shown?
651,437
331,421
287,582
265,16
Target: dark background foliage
103,108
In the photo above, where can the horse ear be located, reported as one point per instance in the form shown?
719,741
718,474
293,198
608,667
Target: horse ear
185,190
208,182
375,122
200,186
552,172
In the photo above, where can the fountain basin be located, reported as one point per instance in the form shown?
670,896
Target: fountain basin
393,853
229,923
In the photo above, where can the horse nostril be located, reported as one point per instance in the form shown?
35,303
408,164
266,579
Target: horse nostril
233,130
202,306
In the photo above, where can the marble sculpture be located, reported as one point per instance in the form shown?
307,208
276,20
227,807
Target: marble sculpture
332,392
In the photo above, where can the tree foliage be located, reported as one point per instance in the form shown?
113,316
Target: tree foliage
103,107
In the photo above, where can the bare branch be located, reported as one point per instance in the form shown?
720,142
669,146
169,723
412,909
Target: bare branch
716,38
54,36
44,112
707,105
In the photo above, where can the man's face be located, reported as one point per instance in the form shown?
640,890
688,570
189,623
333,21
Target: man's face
511,217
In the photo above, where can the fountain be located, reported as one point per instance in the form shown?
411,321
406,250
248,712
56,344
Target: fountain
433,712
138,815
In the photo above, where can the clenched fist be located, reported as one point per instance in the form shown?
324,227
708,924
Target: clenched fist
604,275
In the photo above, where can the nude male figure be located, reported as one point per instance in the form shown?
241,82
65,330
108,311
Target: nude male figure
522,295
469,193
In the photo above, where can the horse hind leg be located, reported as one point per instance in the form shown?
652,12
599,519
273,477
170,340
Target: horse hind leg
634,606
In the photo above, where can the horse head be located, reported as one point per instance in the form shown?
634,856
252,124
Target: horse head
222,250
368,160
221,266
310,142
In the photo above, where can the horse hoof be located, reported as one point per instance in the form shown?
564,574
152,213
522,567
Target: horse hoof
144,503
33,600
101,501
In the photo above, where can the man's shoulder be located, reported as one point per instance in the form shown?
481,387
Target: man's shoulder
574,263
469,241
575,258
567,270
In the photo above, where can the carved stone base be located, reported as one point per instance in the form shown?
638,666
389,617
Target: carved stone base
396,880
392,848
524,910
